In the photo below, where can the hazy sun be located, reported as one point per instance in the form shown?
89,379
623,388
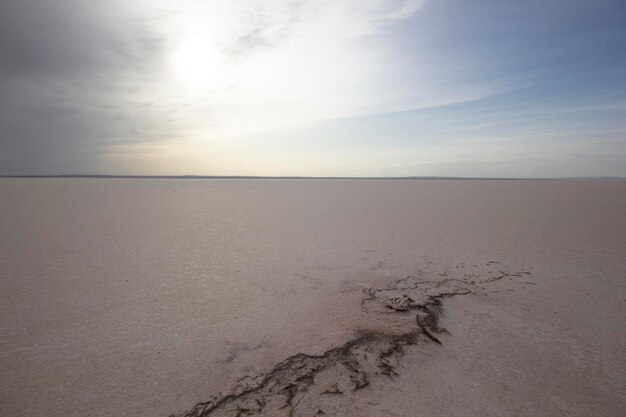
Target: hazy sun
196,62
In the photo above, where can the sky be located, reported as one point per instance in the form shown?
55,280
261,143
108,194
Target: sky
472,88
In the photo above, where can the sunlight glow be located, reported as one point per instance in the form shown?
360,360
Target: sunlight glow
239,69
197,63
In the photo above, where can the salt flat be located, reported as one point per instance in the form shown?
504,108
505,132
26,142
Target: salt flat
143,297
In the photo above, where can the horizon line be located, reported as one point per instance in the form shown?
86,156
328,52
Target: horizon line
298,177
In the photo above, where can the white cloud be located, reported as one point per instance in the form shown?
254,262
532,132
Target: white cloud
258,65
405,10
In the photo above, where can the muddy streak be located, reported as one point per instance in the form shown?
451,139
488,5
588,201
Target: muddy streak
302,384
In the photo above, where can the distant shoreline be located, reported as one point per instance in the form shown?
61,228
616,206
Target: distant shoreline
251,177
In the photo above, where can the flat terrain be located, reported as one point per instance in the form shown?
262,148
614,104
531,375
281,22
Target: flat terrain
143,297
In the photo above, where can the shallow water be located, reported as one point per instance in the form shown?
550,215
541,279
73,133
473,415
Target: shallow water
142,296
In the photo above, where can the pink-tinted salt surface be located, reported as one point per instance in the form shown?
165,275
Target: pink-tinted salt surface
143,297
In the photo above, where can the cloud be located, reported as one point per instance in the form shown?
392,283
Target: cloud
74,73
68,38
405,10
93,86
69,71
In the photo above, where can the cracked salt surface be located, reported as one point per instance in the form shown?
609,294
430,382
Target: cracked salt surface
141,298
300,385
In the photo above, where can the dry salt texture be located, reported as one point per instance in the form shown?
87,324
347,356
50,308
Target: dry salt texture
146,297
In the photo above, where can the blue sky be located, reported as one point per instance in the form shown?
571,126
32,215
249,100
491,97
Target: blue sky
357,88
